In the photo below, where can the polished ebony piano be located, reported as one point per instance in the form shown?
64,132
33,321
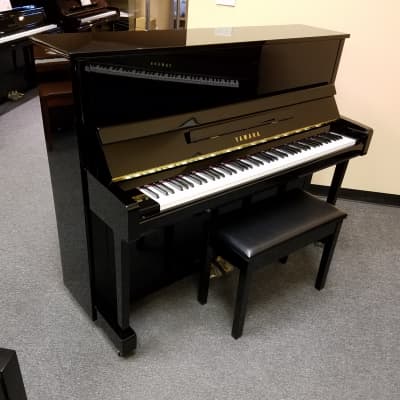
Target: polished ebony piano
84,15
17,68
174,127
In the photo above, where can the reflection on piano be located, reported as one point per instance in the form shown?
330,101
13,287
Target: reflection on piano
76,15
173,125
16,60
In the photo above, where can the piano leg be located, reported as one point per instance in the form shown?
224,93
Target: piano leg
168,233
337,180
113,305
207,255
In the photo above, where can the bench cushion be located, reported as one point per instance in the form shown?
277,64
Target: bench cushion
275,221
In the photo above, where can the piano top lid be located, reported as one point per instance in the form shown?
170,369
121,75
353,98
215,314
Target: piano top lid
96,43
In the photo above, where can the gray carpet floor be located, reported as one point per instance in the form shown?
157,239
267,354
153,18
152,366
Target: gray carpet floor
298,343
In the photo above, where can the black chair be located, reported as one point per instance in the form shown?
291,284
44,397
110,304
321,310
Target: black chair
268,232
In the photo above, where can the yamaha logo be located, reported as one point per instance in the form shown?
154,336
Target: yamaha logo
160,64
247,136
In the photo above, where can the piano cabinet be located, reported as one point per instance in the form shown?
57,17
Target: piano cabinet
154,107
17,68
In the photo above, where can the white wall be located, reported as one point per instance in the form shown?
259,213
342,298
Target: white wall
368,81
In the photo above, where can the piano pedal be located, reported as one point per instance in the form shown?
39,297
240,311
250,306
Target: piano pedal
14,95
224,266
319,244
215,272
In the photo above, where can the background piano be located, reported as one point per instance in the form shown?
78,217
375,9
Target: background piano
173,124
78,15
17,67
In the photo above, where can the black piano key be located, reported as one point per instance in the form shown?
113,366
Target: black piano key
254,161
225,169
245,165
271,156
182,182
322,139
221,175
152,192
286,149
187,181
317,139
204,180
208,174
196,178
215,174
239,166
278,153
310,142
265,157
175,184
293,147
170,190
326,137
334,136
160,188
303,146
233,170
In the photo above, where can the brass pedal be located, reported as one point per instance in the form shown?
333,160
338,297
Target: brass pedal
224,265
215,272
14,95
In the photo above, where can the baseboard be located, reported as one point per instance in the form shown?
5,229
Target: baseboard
359,195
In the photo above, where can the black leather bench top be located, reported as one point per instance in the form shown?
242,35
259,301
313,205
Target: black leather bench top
276,221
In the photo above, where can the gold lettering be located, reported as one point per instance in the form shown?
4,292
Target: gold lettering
247,136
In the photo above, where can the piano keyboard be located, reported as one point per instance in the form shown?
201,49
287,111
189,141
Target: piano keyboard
198,184
29,32
95,17
163,76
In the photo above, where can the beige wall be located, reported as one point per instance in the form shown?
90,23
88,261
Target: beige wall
368,81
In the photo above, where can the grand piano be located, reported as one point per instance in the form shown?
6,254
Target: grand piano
174,127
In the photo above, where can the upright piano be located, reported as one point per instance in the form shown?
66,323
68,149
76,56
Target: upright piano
17,67
84,15
174,126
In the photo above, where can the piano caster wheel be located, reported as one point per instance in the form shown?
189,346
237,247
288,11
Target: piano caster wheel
125,355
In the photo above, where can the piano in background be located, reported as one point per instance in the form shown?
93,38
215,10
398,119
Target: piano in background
84,15
172,125
17,69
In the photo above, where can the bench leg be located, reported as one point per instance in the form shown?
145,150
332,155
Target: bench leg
241,302
204,277
326,259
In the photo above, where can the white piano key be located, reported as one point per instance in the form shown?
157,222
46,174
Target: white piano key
198,191
27,33
161,76
95,17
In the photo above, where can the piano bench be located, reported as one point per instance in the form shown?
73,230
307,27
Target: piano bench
53,95
268,232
